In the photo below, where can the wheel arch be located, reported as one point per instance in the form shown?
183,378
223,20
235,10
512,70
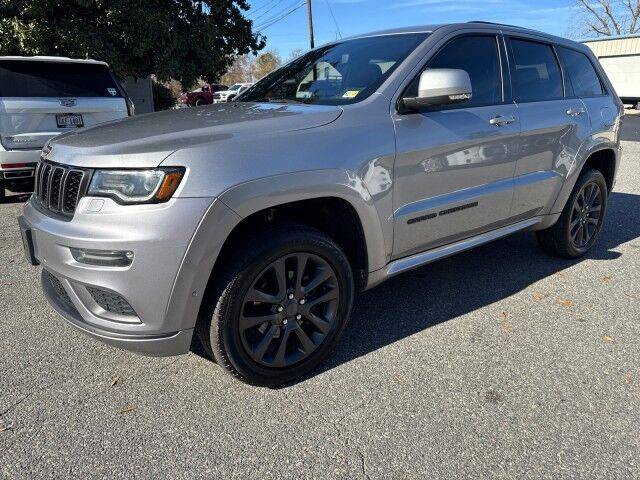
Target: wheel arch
602,157
331,190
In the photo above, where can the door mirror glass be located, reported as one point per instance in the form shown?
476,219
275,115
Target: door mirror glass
440,86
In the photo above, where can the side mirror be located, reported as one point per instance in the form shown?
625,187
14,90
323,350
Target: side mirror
440,86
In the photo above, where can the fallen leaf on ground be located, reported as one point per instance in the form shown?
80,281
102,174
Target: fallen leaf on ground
504,314
567,303
537,296
127,409
631,296
560,274
399,379
506,326
607,279
115,380
628,377
5,428
607,339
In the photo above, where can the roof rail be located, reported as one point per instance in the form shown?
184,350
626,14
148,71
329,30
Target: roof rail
495,23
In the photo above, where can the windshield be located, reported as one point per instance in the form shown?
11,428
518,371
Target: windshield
235,87
336,74
20,78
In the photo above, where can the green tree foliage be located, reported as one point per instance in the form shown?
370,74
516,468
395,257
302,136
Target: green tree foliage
163,97
179,39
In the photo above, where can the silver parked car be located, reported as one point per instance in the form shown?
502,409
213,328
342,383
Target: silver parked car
249,226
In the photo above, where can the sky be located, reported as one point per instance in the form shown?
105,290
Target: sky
352,17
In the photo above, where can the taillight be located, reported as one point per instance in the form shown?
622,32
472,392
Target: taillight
131,108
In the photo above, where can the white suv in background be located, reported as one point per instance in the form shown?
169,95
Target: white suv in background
227,95
42,97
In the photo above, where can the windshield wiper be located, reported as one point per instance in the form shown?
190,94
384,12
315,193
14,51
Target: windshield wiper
274,100
284,100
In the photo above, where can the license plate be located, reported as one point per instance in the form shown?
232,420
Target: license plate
27,243
66,120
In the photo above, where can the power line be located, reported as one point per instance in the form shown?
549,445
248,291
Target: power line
280,16
272,3
334,17
255,10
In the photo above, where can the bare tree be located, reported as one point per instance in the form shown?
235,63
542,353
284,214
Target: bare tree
610,17
298,52
266,63
240,71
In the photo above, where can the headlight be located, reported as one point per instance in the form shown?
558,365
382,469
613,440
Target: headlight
136,186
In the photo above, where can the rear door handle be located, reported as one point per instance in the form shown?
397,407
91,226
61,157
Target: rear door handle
501,121
574,112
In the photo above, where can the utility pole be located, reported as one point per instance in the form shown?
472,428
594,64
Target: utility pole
310,16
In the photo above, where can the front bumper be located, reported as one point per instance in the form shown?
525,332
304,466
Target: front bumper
91,297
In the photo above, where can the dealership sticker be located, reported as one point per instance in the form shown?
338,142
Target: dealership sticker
351,94
112,91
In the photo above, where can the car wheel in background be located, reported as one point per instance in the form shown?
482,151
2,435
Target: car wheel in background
279,306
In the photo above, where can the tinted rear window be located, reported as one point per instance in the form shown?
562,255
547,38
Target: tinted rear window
535,72
48,79
582,75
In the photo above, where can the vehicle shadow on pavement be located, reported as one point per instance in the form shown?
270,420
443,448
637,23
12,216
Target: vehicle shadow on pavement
458,285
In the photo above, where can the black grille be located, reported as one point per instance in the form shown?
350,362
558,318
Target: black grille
58,187
72,190
57,287
111,302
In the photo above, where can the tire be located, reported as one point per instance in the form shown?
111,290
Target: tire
252,350
564,238
199,102
2,193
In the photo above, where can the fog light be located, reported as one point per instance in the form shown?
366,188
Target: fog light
103,258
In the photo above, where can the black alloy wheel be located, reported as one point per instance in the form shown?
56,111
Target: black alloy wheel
289,310
586,215
278,306
581,221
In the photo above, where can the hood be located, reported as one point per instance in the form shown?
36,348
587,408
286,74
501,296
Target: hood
145,141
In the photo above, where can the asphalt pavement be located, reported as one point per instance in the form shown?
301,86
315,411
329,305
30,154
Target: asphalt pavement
499,363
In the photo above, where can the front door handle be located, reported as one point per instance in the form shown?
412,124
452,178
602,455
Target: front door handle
501,121
574,112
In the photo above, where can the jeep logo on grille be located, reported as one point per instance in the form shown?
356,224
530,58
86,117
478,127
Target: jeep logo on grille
68,102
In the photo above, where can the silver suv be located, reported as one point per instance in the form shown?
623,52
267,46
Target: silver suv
249,226
41,97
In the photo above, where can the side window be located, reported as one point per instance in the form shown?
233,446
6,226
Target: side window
535,72
478,56
583,77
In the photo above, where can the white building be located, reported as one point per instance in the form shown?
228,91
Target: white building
620,58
